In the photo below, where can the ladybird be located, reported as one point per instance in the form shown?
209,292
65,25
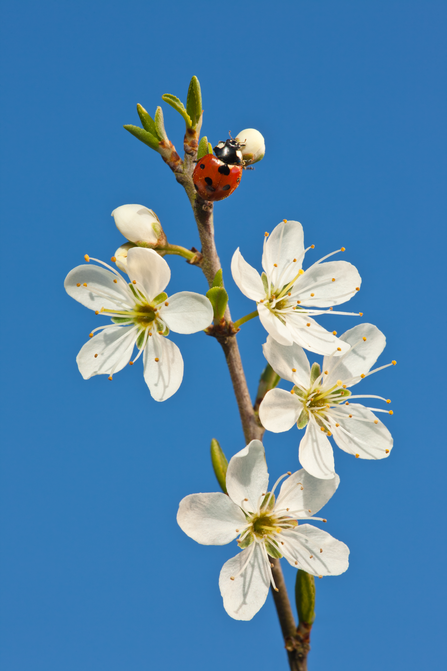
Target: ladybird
217,175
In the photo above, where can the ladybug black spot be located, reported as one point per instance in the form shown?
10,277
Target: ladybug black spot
224,169
227,187
209,181
202,165
196,187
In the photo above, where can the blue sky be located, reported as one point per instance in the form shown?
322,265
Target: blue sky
351,98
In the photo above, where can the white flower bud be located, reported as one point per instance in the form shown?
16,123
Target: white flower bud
254,149
139,225
121,256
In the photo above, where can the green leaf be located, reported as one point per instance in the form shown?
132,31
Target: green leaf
203,148
315,372
179,106
265,283
219,299
272,550
220,464
160,124
194,101
143,136
218,280
303,419
305,597
140,339
248,540
161,298
210,148
146,120
268,502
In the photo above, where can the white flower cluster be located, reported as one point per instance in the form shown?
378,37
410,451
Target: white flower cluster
320,402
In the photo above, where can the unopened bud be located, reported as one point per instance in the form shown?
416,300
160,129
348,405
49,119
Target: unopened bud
120,256
254,148
139,225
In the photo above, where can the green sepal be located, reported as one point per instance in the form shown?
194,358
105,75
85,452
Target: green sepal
218,298
218,279
165,332
203,148
315,372
303,419
121,320
194,101
272,550
305,597
265,282
160,124
220,464
140,340
146,120
210,148
270,498
248,540
178,106
161,298
144,136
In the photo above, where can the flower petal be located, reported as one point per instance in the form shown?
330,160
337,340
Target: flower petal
247,476
163,367
244,596
284,359
149,270
210,519
303,492
358,434
136,223
315,452
96,288
357,361
107,352
313,337
187,312
274,326
331,283
315,551
285,244
279,410
246,277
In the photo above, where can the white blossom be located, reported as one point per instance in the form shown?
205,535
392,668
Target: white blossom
140,225
253,145
142,315
287,296
266,528
321,401
120,256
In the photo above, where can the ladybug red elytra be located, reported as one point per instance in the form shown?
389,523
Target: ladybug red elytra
217,176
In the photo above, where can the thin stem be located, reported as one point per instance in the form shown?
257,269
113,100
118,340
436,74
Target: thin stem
179,251
203,213
245,319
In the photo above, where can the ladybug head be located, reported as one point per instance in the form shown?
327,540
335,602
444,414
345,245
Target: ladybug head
229,152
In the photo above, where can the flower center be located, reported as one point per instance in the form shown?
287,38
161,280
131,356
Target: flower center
143,315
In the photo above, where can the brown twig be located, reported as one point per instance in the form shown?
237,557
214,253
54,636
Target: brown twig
296,640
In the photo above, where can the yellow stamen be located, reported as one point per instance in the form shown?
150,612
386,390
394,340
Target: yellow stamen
156,359
113,259
86,257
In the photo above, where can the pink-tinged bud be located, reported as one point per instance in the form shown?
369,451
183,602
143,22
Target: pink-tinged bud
139,225
254,148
